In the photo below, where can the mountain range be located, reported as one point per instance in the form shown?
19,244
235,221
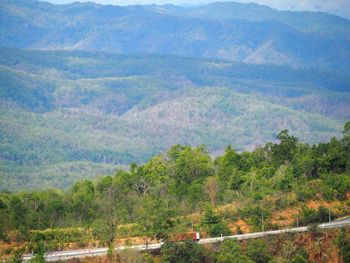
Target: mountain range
230,31
87,88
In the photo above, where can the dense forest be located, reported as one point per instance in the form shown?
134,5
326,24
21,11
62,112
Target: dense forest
66,116
162,197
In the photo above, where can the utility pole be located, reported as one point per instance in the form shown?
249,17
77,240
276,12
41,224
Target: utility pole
329,215
262,222
298,219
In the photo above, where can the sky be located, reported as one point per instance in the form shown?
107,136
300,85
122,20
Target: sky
338,7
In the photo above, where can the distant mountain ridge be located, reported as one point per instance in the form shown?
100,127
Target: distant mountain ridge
237,32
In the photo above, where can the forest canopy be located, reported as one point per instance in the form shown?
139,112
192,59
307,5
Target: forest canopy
153,196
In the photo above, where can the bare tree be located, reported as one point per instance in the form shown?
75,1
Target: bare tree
142,186
212,188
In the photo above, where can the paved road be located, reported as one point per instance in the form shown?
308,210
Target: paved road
81,253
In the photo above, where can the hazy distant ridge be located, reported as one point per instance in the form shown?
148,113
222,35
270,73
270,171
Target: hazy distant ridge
238,32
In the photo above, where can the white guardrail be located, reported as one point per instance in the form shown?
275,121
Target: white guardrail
94,252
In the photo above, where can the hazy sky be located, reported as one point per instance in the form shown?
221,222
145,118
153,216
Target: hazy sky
340,7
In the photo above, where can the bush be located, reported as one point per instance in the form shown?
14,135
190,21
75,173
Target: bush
298,258
305,191
343,243
328,193
17,255
230,252
311,216
257,251
340,183
218,229
253,214
286,200
214,225
314,230
182,252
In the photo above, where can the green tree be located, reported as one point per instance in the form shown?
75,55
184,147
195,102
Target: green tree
106,226
155,217
332,156
39,252
257,250
231,252
192,164
182,252
83,200
3,221
194,195
228,163
213,224
346,141
285,150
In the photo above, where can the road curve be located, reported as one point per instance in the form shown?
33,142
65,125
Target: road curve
94,252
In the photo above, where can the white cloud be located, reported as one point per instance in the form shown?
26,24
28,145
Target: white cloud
339,7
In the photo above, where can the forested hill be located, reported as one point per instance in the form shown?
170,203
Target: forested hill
184,189
238,32
72,115
86,88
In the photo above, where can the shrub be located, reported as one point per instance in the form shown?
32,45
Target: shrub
314,230
257,251
311,216
230,252
182,252
214,225
17,255
218,229
298,258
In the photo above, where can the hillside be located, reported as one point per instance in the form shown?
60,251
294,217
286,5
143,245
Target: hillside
238,32
72,115
184,190
141,124
87,88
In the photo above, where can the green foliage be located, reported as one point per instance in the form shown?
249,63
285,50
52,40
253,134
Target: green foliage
231,252
285,150
38,252
256,215
210,217
299,258
156,218
103,232
321,215
343,242
314,229
55,239
154,198
219,229
339,183
257,250
69,116
17,255
183,252
214,225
